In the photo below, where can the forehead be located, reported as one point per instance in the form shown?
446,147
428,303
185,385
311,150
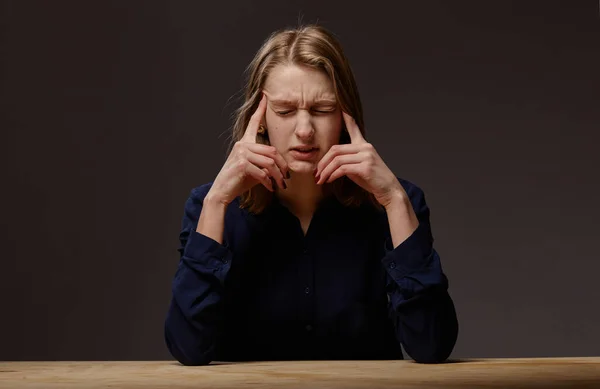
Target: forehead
293,82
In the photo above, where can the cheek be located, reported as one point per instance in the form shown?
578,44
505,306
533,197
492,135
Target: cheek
273,122
270,119
331,128
276,127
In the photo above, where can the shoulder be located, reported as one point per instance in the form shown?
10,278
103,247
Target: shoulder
198,193
416,196
195,200
193,205
414,192
239,226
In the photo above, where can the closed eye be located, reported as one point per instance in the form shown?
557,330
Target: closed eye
283,113
321,111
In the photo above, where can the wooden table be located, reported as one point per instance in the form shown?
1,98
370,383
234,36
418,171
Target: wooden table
472,373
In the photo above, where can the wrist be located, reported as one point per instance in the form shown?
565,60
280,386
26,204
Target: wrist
215,200
398,208
402,219
212,216
397,202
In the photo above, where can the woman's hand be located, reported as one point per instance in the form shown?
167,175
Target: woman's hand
249,164
362,164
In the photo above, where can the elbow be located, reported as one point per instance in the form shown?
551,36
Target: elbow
436,343
431,356
188,353
190,358
438,349
193,360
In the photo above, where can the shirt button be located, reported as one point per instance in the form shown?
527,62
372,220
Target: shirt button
308,327
393,265
225,260
307,290
304,250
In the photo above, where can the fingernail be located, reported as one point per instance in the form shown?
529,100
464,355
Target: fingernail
288,175
317,178
315,171
284,185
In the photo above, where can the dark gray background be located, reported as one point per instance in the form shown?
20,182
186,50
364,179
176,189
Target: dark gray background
113,110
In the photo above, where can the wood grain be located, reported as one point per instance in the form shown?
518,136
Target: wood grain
482,373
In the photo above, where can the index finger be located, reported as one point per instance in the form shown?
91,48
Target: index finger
255,119
353,130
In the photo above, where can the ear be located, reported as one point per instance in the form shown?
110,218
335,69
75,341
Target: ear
262,130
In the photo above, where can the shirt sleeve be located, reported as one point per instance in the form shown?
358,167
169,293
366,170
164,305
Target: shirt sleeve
194,317
420,306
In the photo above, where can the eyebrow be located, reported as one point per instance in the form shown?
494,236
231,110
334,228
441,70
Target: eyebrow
293,102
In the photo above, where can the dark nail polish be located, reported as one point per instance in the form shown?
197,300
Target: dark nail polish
284,185
288,175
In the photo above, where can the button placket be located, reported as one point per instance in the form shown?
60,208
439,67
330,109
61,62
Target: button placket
308,263
304,248
305,254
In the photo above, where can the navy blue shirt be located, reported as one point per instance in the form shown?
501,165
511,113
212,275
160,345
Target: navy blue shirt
342,291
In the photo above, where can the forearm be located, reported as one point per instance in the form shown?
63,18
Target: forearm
401,218
424,314
425,318
194,318
212,218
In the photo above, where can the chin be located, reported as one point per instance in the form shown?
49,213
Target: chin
304,167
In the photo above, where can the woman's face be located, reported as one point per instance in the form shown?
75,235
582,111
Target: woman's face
303,118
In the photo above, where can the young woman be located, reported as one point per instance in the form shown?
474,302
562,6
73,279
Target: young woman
306,245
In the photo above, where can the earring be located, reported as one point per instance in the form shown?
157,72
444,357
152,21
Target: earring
261,129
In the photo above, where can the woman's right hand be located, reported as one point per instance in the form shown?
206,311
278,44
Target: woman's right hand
249,164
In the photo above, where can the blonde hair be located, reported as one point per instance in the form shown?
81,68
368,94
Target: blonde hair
317,48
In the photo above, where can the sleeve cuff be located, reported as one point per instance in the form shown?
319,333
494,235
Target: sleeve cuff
207,251
411,255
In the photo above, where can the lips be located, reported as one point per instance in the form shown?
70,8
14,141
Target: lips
305,149
305,153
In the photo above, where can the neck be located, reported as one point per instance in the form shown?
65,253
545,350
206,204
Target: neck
302,194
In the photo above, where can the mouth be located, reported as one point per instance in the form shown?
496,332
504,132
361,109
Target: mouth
305,149
304,152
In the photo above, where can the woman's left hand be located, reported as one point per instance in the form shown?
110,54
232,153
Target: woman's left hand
362,164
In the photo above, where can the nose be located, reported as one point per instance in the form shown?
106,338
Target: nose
304,128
